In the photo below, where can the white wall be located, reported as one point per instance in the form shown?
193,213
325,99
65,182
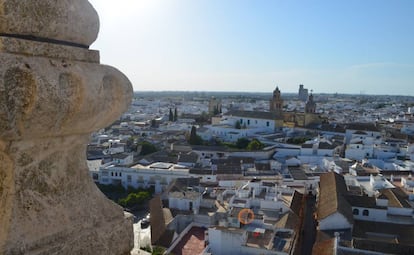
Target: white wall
141,178
183,204
382,154
349,134
275,205
253,122
225,242
359,151
334,221
306,151
283,152
325,152
400,211
378,215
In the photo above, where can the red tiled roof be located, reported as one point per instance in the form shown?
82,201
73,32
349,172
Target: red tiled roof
192,243
324,247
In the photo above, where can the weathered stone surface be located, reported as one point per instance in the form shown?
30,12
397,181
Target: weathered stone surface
51,98
73,21
56,207
36,49
41,97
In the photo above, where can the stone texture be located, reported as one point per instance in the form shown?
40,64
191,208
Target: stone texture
56,209
51,98
73,21
42,97
33,48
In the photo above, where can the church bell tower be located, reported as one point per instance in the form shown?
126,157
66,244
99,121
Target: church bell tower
276,103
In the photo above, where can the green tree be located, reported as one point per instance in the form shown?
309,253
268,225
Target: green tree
175,118
171,116
194,138
134,199
157,250
130,144
242,143
255,145
147,148
238,125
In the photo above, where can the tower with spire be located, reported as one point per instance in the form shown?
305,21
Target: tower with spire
310,106
276,103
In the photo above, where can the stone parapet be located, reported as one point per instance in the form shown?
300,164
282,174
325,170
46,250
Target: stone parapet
50,50
53,94
71,21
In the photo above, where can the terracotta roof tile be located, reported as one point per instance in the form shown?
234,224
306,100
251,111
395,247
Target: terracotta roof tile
331,197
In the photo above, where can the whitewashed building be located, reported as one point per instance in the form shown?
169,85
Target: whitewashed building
157,175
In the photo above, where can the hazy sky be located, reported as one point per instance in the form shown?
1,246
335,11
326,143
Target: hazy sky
352,46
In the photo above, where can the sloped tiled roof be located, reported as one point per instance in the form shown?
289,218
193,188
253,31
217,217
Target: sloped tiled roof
289,220
362,126
296,203
326,247
181,184
362,201
396,198
331,197
190,157
324,145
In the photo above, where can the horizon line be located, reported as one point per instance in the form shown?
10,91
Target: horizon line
262,92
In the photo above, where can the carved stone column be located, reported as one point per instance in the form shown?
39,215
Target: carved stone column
53,94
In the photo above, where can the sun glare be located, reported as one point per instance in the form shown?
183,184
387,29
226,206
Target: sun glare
124,9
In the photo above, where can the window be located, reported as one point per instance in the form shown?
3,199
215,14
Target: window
256,121
112,173
355,212
365,212
241,121
267,123
248,122
120,174
129,178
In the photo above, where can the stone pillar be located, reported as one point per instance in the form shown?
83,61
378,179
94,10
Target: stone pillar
53,94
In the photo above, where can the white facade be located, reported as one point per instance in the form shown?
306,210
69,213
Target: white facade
250,122
223,241
229,133
325,152
306,151
359,151
334,221
286,152
141,176
410,151
355,134
386,214
185,201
